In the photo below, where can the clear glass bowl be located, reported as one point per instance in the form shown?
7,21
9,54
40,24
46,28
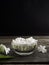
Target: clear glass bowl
22,51
22,47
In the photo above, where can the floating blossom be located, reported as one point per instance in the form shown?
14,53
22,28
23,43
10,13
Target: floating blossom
42,49
21,40
31,40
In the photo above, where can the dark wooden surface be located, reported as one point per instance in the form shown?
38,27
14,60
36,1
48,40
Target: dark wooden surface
34,58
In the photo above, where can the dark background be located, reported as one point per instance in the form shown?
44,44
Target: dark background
24,17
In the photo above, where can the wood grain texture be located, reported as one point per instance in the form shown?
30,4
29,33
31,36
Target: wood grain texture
24,64
36,57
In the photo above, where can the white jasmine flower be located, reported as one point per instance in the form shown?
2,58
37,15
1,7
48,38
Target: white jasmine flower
31,40
42,49
18,41
21,40
5,48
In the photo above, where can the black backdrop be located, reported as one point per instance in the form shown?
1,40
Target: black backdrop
24,17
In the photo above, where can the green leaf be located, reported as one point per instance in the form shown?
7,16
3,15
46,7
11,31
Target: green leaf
5,56
2,49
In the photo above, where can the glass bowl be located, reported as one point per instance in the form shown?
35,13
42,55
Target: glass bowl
24,48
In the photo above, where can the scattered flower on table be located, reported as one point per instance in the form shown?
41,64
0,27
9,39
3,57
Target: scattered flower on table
42,49
3,48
